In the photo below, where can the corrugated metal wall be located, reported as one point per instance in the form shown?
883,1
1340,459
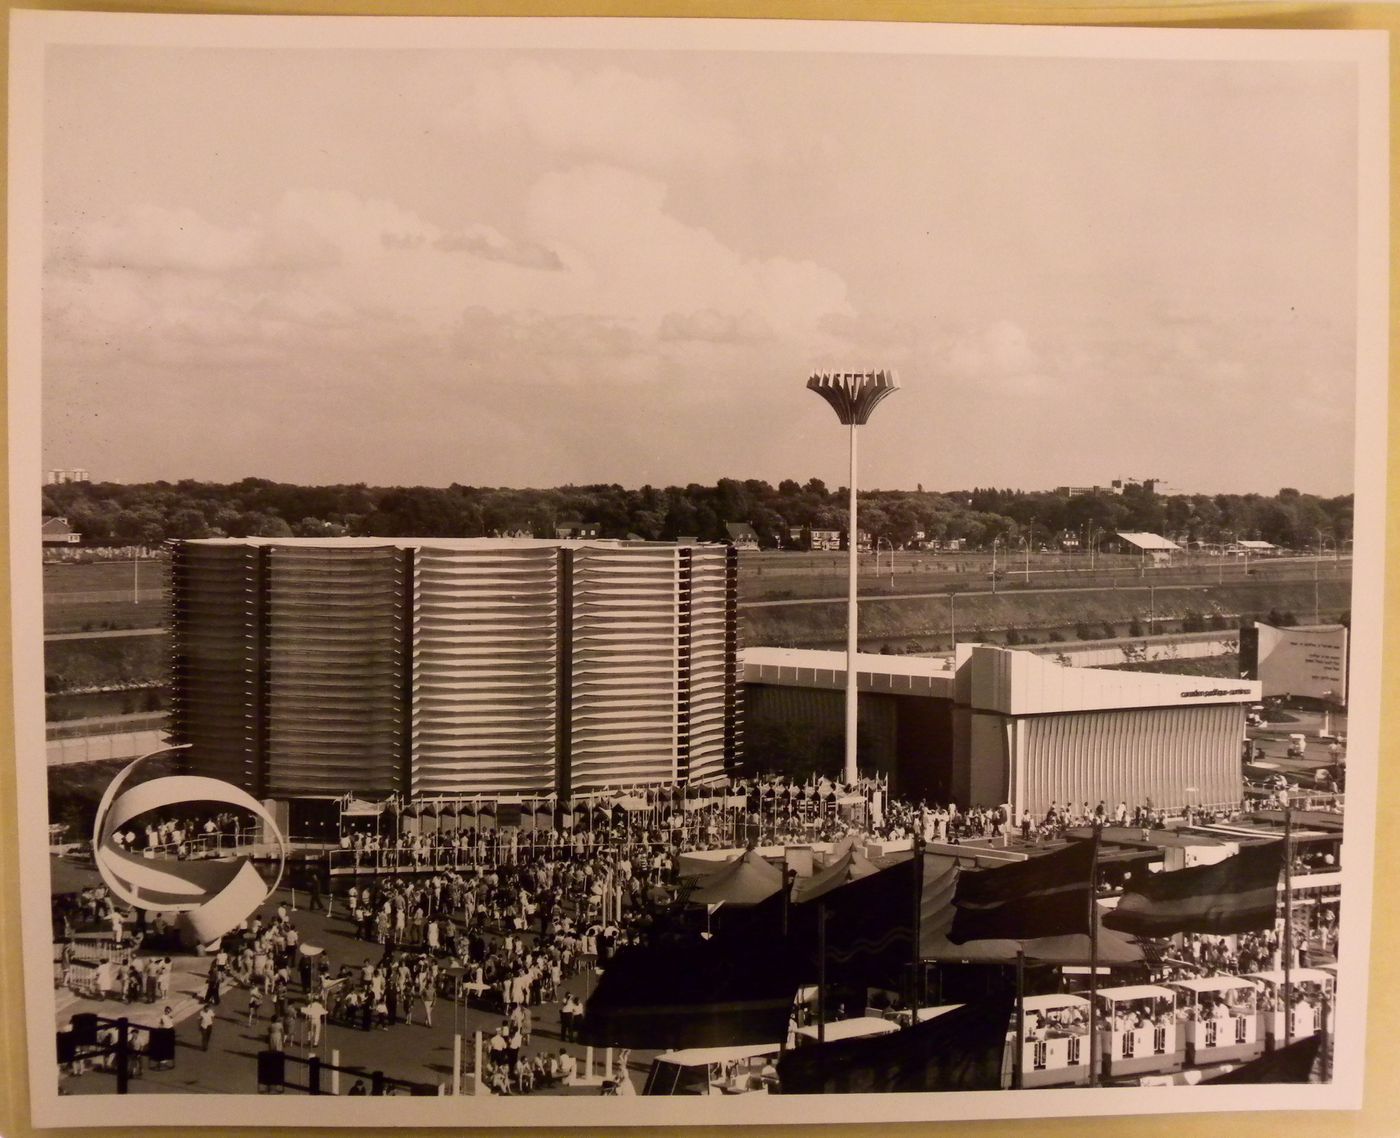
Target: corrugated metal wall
1131,756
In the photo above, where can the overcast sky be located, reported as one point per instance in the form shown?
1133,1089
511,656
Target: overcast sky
514,268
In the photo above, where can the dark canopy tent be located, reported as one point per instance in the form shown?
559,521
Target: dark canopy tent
850,866
746,880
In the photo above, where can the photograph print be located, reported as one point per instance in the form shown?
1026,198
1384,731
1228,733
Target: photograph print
693,561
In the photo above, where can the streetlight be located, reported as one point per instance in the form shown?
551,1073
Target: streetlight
888,542
853,396
995,542
1026,543
1317,608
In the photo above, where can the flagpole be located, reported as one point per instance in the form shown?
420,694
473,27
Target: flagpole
1287,922
1094,959
1018,1073
917,975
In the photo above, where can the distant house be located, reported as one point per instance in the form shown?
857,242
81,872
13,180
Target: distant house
571,529
57,531
517,530
825,539
741,535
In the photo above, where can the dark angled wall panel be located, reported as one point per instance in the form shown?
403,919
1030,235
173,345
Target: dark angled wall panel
213,636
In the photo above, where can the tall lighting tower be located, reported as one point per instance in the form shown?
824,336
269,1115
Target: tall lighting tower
853,395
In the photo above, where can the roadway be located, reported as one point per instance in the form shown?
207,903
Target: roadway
943,594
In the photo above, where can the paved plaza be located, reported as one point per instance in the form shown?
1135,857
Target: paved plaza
413,1052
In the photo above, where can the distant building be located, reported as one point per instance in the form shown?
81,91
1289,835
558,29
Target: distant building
1006,726
824,539
1076,491
57,531
1155,549
60,477
1116,486
305,668
741,535
571,529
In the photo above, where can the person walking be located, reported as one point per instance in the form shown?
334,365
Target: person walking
206,1025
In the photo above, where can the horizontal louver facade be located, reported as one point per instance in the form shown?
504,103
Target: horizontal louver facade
214,637
484,688
454,668
334,663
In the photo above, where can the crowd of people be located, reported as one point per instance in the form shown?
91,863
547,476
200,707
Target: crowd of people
502,919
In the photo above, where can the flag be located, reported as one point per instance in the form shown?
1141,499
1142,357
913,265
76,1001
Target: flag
737,987
960,1050
1291,1064
1045,896
869,926
1239,894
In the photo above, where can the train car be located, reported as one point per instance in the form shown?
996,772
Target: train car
1056,1048
712,1071
1139,1033
1222,1019
1312,989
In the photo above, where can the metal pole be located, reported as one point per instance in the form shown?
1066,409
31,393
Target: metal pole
821,971
122,1055
136,578
916,986
1094,961
1317,608
1287,923
852,541
1018,1073
952,623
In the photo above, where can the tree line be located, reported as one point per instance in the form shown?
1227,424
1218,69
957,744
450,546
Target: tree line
148,513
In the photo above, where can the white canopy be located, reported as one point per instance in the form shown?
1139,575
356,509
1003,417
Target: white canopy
1300,975
1136,992
1214,984
1147,541
1060,1000
703,1056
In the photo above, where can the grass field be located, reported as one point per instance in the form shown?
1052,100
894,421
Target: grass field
97,576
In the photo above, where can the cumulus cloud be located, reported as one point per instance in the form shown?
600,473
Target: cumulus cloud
627,253
148,238
536,348
709,326
1000,355
592,115
595,281
487,243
